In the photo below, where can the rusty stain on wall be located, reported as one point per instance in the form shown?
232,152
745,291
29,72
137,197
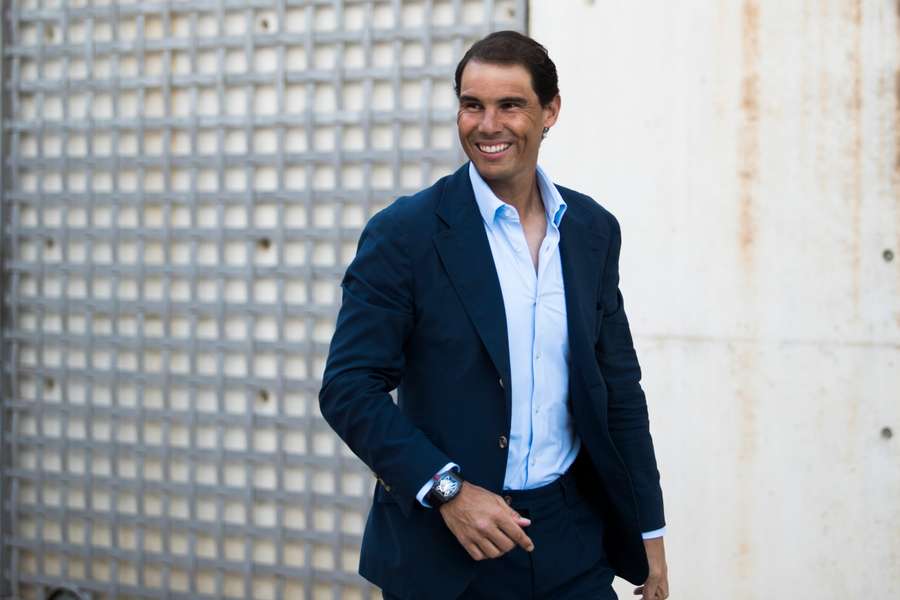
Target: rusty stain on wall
745,356
748,139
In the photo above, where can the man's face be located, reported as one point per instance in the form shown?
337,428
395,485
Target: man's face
501,120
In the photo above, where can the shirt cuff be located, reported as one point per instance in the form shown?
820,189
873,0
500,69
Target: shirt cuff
656,533
425,488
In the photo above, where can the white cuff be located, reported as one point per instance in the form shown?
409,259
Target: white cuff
425,488
657,533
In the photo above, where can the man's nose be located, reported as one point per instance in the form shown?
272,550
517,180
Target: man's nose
490,123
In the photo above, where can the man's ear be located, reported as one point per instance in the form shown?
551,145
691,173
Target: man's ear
551,111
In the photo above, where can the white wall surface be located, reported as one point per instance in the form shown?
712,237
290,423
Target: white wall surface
751,151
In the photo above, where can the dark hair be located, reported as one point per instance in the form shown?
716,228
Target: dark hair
513,48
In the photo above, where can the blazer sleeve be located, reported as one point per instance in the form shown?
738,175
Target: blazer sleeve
628,421
366,360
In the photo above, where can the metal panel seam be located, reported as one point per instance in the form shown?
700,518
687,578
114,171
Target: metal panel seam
4,456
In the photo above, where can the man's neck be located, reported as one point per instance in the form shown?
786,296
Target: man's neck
521,193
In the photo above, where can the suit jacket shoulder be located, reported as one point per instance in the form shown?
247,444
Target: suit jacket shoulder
407,214
592,213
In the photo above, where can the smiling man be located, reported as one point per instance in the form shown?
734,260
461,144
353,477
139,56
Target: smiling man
517,461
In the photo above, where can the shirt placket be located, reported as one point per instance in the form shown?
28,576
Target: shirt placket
516,248
538,413
525,268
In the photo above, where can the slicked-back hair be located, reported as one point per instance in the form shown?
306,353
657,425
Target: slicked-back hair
513,48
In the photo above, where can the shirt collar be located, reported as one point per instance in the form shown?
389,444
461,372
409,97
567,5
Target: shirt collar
489,204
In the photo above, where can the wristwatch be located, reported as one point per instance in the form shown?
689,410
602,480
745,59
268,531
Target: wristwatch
444,488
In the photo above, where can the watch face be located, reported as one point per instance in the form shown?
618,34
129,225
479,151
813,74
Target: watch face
447,486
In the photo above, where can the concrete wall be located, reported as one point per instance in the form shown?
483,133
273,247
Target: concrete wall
751,150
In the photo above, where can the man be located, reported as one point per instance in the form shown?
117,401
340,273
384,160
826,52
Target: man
517,462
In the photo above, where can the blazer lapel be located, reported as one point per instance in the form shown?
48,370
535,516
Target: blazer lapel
466,255
581,254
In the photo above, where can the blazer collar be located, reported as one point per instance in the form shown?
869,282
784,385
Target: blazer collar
489,204
457,203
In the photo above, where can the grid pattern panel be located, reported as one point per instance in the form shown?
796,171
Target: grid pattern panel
183,186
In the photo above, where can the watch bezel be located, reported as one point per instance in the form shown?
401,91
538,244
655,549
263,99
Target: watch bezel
438,498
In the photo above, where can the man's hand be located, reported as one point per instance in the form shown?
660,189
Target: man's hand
657,585
483,523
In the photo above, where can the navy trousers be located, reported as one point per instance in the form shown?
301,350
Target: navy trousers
568,561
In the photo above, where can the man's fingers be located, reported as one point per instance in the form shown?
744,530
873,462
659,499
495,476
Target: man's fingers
659,592
488,548
514,531
474,551
520,520
501,540
649,590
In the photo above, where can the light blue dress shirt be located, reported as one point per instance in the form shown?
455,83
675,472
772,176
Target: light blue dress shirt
542,441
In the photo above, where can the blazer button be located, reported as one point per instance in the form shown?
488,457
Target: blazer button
503,442
500,381
508,500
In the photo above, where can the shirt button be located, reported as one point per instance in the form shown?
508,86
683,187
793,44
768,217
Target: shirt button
537,356
502,442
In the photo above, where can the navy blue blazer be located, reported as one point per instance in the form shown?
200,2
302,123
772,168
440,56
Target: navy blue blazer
422,312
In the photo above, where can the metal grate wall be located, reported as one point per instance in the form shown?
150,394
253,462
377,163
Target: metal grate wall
183,185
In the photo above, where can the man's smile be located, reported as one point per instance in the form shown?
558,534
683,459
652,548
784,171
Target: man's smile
493,148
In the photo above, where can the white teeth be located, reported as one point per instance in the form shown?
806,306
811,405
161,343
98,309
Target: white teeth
493,149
